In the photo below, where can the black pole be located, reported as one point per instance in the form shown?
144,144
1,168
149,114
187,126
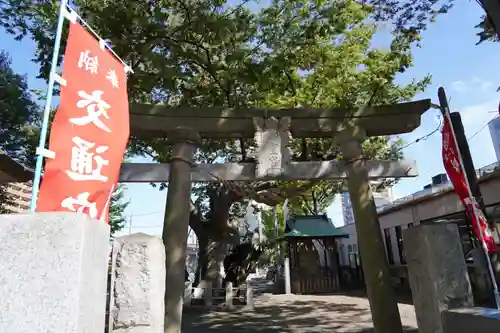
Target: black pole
470,170
463,147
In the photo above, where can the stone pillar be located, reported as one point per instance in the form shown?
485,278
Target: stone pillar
229,295
383,304
288,286
53,273
139,283
175,230
207,292
437,271
249,296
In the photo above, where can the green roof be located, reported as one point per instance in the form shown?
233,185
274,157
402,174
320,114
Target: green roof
314,226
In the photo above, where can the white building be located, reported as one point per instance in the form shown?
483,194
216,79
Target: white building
381,199
436,203
494,127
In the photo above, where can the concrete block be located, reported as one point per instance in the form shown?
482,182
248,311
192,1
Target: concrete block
471,320
437,272
53,272
139,287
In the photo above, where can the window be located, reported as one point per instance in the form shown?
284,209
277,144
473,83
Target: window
401,249
388,246
410,225
349,248
354,248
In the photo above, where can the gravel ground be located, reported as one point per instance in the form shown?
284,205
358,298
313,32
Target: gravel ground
294,314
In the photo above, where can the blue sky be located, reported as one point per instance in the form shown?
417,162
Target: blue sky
468,73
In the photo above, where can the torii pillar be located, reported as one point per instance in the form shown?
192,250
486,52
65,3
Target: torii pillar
175,231
383,304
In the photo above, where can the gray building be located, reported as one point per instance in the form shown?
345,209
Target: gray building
494,127
381,199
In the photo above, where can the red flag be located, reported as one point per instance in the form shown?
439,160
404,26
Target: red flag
451,161
90,131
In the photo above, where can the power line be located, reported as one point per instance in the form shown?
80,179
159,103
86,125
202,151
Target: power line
146,214
423,137
482,128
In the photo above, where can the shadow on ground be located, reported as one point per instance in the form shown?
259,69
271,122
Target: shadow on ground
279,314
402,296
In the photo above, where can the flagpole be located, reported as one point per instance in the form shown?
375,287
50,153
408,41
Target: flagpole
446,112
46,111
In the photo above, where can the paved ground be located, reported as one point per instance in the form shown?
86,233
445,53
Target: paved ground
294,314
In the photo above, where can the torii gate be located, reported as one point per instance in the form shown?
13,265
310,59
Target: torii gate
272,130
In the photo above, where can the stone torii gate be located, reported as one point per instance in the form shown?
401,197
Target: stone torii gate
272,130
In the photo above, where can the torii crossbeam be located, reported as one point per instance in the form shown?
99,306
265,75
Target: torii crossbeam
322,170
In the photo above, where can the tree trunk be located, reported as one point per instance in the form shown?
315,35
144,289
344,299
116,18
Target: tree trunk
215,253
211,253
201,266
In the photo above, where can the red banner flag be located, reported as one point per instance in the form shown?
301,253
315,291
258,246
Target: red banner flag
453,167
90,130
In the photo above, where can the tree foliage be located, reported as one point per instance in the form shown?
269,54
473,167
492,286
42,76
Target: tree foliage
117,206
18,113
289,53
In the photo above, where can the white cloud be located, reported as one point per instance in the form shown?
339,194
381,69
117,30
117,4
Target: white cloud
475,84
481,84
475,116
475,119
458,85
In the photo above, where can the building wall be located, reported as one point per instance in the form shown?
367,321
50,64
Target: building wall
381,199
347,213
438,204
20,195
494,127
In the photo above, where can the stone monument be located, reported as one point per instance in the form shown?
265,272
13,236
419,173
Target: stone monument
53,269
438,274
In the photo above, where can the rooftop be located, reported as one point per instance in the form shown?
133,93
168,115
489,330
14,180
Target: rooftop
483,174
12,171
312,226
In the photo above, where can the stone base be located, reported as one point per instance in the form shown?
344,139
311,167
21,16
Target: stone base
437,271
53,269
471,320
139,285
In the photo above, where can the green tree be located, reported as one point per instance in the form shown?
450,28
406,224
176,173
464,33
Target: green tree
117,219
18,113
291,53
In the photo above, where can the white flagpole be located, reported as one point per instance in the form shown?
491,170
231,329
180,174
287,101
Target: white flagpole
446,113
48,104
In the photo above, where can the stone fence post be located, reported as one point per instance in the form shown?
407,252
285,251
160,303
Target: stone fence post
139,286
229,295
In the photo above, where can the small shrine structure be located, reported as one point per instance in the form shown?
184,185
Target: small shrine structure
314,266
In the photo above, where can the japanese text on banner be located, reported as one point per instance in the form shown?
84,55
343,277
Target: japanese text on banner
90,130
